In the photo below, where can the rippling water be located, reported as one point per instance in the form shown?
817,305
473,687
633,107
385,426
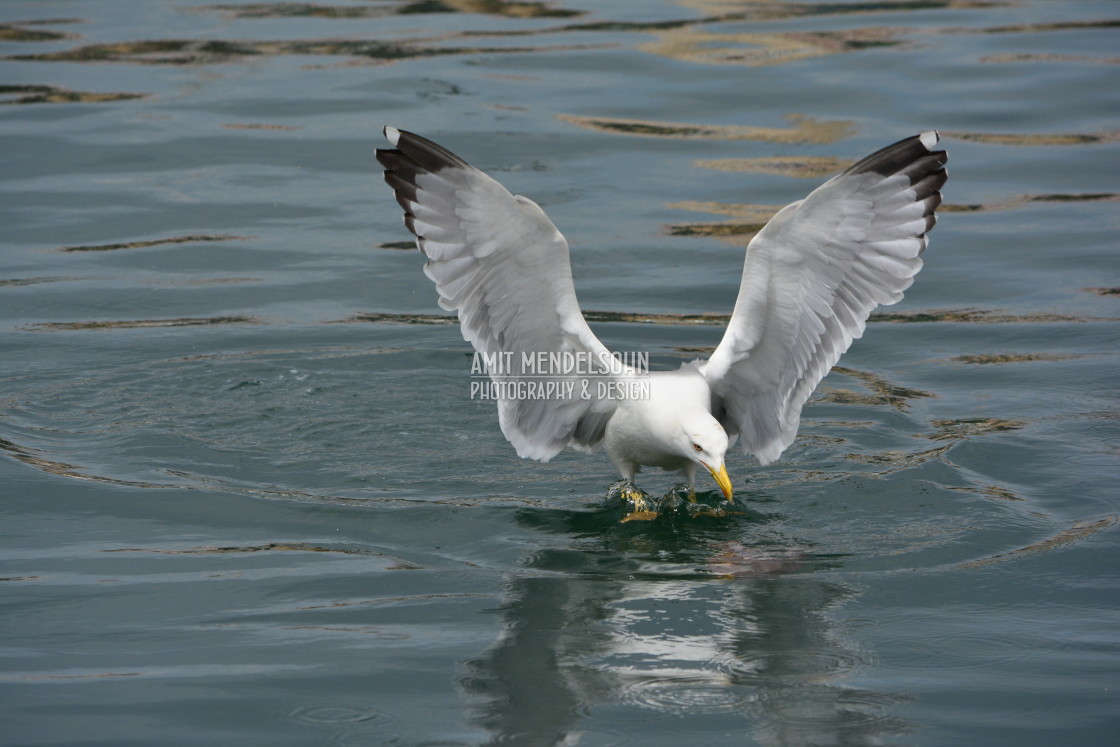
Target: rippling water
247,498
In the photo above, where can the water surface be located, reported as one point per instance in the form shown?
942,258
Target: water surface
247,498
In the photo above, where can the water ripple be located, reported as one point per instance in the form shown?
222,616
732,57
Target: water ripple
816,715
759,667
675,695
987,650
336,714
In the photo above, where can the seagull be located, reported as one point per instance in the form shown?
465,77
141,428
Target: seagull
810,279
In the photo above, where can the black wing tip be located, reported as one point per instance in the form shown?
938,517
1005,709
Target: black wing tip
905,153
385,157
421,151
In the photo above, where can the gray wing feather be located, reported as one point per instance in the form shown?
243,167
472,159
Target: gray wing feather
500,263
811,277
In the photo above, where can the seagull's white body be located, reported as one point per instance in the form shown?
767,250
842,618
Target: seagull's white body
655,430
811,277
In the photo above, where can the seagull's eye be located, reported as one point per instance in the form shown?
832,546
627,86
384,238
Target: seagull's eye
697,447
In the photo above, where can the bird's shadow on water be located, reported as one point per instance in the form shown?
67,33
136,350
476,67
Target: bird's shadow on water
609,627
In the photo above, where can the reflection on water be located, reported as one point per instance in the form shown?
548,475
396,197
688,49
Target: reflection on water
949,316
1078,531
756,49
749,218
805,167
1036,139
803,129
141,323
1003,59
12,32
193,52
883,392
636,620
512,9
55,95
193,239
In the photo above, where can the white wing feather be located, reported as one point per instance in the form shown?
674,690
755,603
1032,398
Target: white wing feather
811,277
500,263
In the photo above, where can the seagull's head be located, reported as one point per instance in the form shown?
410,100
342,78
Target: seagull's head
704,441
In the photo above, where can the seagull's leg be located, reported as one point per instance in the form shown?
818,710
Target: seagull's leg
614,490
636,497
671,502
703,509
690,473
626,491
693,507
639,506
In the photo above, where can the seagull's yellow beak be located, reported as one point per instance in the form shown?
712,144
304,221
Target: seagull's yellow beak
722,480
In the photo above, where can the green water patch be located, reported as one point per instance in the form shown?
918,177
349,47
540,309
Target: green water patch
969,427
189,239
216,51
35,94
695,45
1075,533
953,316
37,459
13,33
999,358
1034,139
17,282
316,10
750,218
1024,200
802,130
895,460
982,316
801,167
140,323
1034,28
882,391
1047,57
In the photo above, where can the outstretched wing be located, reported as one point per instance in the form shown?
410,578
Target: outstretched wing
500,263
812,276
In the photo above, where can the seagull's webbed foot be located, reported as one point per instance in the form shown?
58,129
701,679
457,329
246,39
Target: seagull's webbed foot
673,501
696,509
681,500
638,504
